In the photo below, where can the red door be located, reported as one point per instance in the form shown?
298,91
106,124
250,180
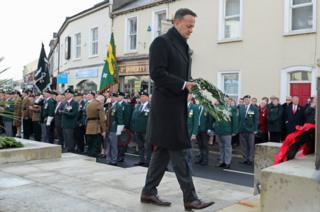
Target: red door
302,90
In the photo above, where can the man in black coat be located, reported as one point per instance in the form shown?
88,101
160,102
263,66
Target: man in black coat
170,69
294,115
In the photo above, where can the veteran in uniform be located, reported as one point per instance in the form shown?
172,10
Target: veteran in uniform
48,115
205,125
139,124
80,128
69,119
36,117
17,114
58,119
115,121
248,126
95,129
26,114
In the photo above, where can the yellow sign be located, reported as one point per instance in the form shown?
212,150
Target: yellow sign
134,68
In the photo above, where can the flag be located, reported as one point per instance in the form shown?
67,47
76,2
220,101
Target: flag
110,73
41,76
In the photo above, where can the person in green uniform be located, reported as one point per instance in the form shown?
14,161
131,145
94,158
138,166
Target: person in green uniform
48,115
205,125
69,119
115,126
80,128
124,138
193,125
7,110
139,122
224,130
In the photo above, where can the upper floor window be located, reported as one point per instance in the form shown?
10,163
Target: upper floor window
159,17
131,34
230,19
300,16
77,45
94,42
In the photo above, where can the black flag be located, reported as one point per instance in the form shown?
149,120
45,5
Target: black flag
41,76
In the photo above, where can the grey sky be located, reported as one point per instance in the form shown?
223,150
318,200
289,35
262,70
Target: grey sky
25,24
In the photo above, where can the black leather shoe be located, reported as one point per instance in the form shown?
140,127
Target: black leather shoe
227,166
139,164
197,204
153,199
112,164
244,162
221,165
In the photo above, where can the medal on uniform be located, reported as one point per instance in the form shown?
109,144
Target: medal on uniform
191,113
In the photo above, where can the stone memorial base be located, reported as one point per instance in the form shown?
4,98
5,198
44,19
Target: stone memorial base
32,150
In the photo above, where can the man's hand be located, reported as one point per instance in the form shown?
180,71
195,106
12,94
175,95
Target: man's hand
193,138
103,134
189,85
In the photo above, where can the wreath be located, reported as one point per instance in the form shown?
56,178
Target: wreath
219,113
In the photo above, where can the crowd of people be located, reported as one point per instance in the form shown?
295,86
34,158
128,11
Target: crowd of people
103,125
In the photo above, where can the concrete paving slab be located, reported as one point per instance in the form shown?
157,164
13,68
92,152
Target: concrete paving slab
76,183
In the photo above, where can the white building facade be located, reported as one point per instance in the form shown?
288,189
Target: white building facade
79,49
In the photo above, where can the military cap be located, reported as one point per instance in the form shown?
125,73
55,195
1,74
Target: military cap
77,93
69,90
247,96
143,93
114,94
121,93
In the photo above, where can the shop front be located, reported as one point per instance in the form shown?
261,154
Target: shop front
134,74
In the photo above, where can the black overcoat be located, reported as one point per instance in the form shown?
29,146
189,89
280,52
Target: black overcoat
292,120
170,63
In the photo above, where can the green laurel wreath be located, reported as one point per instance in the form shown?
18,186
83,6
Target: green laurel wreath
219,113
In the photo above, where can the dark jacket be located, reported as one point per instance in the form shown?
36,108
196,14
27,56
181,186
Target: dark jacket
309,114
248,120
274,118
228,127
69,114
292,120
140,118
170,62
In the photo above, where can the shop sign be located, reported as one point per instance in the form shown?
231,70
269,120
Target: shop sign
87,73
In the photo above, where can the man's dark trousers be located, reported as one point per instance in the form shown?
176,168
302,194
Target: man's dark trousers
159,162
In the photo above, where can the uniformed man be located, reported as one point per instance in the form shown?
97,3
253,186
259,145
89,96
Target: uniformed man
193,125
69,119
115,125
48,115
26,114
205,125
80,128
58,119
139,124
35,109
7,110
17,114
95,128
125,137
248,126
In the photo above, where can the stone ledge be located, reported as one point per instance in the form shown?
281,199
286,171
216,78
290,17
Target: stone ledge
264,157
32,150
291,186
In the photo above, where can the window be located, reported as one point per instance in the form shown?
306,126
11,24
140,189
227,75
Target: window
77,45
94,42
300,16
131,34
300,76
159,17
230,84
230,19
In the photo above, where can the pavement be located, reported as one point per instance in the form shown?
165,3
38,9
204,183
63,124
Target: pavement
78,183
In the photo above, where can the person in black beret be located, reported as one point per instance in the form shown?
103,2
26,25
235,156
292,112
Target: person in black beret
80,128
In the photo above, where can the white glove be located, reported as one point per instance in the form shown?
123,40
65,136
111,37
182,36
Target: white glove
49,120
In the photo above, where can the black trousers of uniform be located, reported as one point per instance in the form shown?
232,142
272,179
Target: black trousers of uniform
68,137
60,136
79,133
50,132
144,147
275,136
159,162
36,126
27,128
203,139
94,144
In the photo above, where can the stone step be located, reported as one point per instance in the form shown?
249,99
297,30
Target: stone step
247,205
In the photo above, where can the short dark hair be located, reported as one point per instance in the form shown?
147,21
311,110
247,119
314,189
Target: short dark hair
183,12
